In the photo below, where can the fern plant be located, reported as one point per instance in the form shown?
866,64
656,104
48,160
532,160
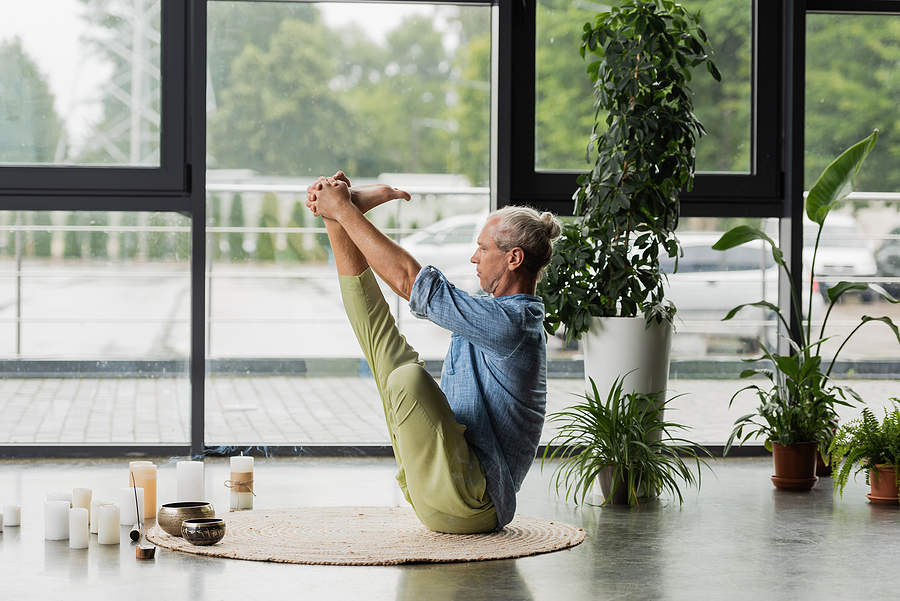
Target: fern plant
865,443
627,433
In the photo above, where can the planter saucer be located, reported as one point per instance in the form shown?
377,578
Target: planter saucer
882,500
794,484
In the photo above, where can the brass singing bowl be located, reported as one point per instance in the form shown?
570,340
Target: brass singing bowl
203,531
171,515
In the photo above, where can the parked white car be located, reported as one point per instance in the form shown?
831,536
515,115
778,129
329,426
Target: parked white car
449,245
709,283
844,252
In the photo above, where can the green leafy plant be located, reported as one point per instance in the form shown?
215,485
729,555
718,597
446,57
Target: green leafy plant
627,433
799,403
606,263
865,443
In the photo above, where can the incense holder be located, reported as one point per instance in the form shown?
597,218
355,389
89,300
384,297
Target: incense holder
171,515
203,531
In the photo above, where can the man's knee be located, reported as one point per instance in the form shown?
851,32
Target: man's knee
411,384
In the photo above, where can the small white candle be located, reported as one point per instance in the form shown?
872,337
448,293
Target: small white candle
108,531
94,517
78,528
190,481
128,507
144,473
81,497
241,483
12,515
56,520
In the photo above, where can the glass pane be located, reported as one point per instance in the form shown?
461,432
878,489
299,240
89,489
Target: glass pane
94,327
399,94
564,105
82,88
852,84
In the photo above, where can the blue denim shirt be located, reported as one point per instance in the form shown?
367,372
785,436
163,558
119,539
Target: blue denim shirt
494,376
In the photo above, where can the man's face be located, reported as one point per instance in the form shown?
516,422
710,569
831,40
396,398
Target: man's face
491,263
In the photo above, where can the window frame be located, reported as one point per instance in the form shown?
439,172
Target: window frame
99,187
755,194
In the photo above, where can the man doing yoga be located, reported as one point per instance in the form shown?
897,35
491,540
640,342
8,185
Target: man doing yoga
462,448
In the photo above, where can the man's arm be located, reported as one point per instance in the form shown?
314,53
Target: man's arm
332,200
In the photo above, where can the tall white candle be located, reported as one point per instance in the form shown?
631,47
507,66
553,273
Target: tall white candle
190,481
12,515
108,531
56,520
128,510
144,473
95,518
81,497
78,528
241,483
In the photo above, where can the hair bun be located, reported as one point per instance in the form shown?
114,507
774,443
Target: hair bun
551,225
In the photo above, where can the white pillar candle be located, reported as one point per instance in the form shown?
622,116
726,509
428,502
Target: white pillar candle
128,507
144,473
12,515
241,483
81,497
56,520
94,517
1,522
108,531
190,481
78,528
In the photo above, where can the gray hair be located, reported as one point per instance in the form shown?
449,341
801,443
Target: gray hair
529,230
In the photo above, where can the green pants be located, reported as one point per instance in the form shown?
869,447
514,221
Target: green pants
438,472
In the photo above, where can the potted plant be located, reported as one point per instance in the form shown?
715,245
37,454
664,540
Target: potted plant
796,414
866,444
622,442
606,263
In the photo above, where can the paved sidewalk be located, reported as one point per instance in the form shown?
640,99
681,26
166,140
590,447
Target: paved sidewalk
286,411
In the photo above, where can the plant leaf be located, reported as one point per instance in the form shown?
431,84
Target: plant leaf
837,180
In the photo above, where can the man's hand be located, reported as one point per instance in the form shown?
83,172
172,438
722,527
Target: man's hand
327,197
365,197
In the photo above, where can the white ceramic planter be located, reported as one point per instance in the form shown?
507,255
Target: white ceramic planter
616,346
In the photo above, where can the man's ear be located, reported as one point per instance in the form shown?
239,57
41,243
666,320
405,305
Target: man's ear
515,258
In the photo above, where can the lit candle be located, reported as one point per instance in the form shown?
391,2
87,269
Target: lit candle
12,515
144,473
78,528
128,507
56,520
190,481
241,483
95,518
81,497
108,532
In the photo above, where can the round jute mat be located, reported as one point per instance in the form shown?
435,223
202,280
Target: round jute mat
368,536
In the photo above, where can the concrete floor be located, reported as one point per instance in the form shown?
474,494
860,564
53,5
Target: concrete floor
738,538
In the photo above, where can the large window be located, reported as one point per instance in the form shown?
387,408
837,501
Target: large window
393,93
167,262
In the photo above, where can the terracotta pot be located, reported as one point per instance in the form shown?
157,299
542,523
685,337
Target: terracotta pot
795,466
883,481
